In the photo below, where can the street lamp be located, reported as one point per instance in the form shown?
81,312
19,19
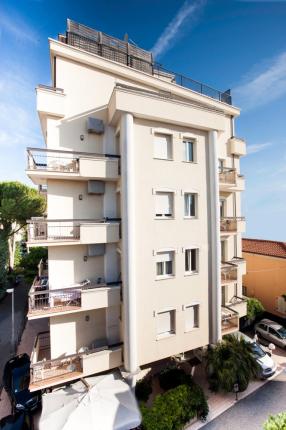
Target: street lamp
11,291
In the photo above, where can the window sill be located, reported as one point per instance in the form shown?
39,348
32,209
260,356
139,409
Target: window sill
191,273
190,162
162,277
190,217
192,330
165,336
164,217
164,159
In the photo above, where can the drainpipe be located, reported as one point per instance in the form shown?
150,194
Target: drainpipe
215,333
128,243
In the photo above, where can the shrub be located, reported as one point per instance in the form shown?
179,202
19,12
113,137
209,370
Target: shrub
172,377
254,308
29,262
276,422
231,362
143,389
173,409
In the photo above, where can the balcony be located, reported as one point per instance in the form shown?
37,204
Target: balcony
236,146
84,296
43,164
238,304
232,225
46,372
230,180
241,264
43,232
229,320
229,273
50,101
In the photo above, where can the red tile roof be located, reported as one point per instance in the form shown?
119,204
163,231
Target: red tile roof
271,248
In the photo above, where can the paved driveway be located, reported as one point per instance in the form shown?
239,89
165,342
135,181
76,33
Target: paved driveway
251,412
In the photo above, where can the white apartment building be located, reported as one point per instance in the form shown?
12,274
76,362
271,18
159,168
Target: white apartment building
143,226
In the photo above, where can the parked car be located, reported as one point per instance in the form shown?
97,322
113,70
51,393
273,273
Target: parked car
19,421
16,379
271,331
266,364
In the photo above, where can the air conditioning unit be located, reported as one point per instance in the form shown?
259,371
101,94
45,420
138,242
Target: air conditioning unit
95,187
281,304
96,250
95,125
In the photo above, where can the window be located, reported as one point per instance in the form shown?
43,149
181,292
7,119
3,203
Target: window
163,146
222,204
190,205
223,250
165,264
220,165
191,260
189,150
273,332
164,205
165,323
191,317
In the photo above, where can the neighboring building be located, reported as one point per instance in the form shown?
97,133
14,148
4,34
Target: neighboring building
266,273
134,200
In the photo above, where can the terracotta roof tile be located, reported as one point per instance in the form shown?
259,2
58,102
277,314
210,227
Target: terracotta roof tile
271,248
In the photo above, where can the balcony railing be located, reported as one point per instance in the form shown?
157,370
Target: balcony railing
229,320
41,229
45,369
109,47
47,301
228,272
230,224
227,176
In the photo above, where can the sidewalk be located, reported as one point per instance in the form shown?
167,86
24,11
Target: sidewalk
26,345
219,403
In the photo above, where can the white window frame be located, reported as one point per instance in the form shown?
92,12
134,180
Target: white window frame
169,137
165,191
187,140
194,193
196,306
164,264
172,330
197,251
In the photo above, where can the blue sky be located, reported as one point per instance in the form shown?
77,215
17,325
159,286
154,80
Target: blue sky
236,44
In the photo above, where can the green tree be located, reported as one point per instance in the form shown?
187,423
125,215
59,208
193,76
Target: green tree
276,422
231,362
18,203
254,308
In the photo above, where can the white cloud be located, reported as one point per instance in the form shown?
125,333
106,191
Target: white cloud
264,87
188,12
17,27
258,147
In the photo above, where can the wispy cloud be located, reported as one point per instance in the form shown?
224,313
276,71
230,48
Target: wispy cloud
18,119
265,86
258,147
189,12
17,27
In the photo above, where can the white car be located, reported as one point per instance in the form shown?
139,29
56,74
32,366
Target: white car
266,363
272,331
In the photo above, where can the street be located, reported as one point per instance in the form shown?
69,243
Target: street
21,294
251,412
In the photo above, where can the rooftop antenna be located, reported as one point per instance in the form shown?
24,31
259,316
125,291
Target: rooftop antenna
126,37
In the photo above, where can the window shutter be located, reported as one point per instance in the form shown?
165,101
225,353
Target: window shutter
193,260
163,204
161,146
190,204
164,322
189,317
164,256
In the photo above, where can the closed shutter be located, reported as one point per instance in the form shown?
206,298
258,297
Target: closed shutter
190,208
164,256
161,145
191,317
164,322
163,204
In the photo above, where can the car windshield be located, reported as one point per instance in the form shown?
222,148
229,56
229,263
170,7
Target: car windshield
20,378
282,332
257,351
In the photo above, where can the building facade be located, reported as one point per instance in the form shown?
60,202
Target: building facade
143,226
265,278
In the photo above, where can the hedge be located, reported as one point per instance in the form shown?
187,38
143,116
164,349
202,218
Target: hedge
276,422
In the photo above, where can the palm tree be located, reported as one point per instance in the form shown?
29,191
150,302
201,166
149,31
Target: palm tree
231,362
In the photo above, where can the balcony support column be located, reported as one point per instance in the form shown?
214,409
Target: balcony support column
128,243
215,252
